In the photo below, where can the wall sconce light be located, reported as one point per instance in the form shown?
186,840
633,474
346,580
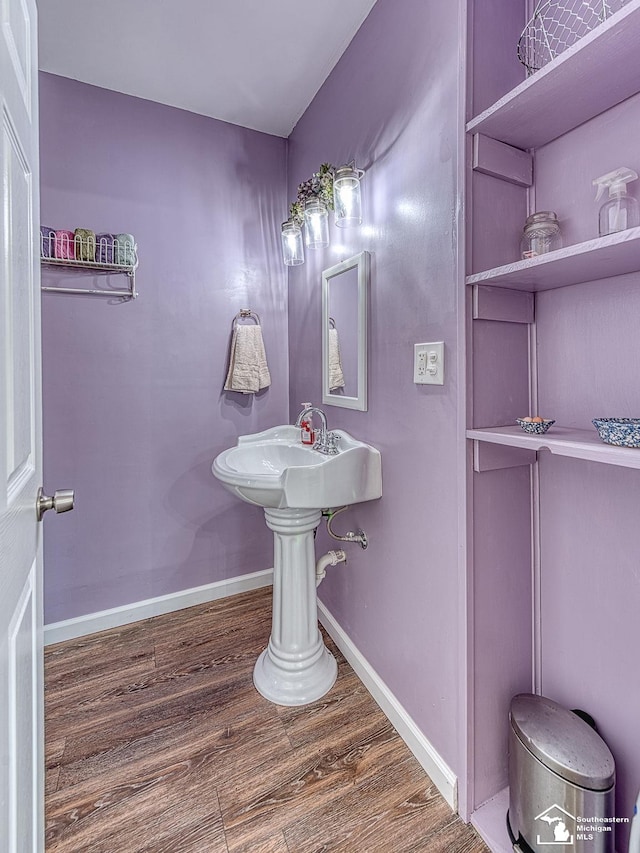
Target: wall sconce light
327,189
347,201
316,223
292,247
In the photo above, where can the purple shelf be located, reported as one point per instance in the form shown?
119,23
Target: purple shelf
604,257
593,75
562,441
490,820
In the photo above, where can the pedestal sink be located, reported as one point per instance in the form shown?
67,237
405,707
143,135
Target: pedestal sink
293,483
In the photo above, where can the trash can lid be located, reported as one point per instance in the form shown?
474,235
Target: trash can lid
562,741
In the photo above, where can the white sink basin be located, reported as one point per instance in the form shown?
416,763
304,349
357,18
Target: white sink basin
273,469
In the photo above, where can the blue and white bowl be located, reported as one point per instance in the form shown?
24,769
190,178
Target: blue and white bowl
534,429
623,432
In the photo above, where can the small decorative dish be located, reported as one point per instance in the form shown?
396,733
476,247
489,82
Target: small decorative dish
623,432
534,426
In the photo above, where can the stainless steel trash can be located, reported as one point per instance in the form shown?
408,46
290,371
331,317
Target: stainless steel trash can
561,780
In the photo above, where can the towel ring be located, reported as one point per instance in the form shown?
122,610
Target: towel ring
243,314
332,323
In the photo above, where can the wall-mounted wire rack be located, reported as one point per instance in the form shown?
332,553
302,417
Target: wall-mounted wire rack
102,255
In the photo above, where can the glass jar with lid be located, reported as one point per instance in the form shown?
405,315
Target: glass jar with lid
316,223
292,249
541,234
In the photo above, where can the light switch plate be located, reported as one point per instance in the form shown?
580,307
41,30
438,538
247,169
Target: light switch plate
428,363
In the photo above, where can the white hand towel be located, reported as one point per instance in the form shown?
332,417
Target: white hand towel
336,377
248,369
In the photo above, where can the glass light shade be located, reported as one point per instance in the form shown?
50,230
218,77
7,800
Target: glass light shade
316,224
292,247
347,201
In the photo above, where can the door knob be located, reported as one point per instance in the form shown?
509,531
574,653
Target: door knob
62,501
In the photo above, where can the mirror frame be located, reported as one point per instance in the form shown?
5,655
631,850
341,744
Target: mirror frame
361,262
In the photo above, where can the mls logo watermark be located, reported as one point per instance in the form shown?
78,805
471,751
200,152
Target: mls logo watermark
560,827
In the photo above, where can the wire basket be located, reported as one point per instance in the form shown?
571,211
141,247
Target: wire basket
557,24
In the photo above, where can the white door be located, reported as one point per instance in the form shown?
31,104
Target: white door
21,690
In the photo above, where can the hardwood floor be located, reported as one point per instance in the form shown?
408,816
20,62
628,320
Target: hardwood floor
157,741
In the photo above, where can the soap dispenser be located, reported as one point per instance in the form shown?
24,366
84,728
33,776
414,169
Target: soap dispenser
621,211
307,435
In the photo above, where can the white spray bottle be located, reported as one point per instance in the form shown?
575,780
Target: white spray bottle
634,839
622,210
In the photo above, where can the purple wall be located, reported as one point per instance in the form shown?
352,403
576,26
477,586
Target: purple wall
565,168
392,103
133,406
496,27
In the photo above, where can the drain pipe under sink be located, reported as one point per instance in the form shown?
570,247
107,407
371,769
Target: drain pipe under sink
331,558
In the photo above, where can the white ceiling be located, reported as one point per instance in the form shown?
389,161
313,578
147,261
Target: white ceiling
256,63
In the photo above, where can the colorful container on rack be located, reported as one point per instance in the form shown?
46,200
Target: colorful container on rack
64,248
85,244
105,244
125,251
47,242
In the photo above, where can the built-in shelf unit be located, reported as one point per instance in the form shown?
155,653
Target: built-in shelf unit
523,488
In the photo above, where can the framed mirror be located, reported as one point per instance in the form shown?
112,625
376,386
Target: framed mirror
345,297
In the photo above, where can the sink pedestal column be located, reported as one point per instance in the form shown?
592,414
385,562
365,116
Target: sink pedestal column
296,667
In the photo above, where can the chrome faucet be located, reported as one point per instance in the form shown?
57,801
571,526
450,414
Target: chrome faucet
326,442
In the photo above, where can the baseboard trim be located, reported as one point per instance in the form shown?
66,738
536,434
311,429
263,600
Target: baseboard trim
436,768
71,629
